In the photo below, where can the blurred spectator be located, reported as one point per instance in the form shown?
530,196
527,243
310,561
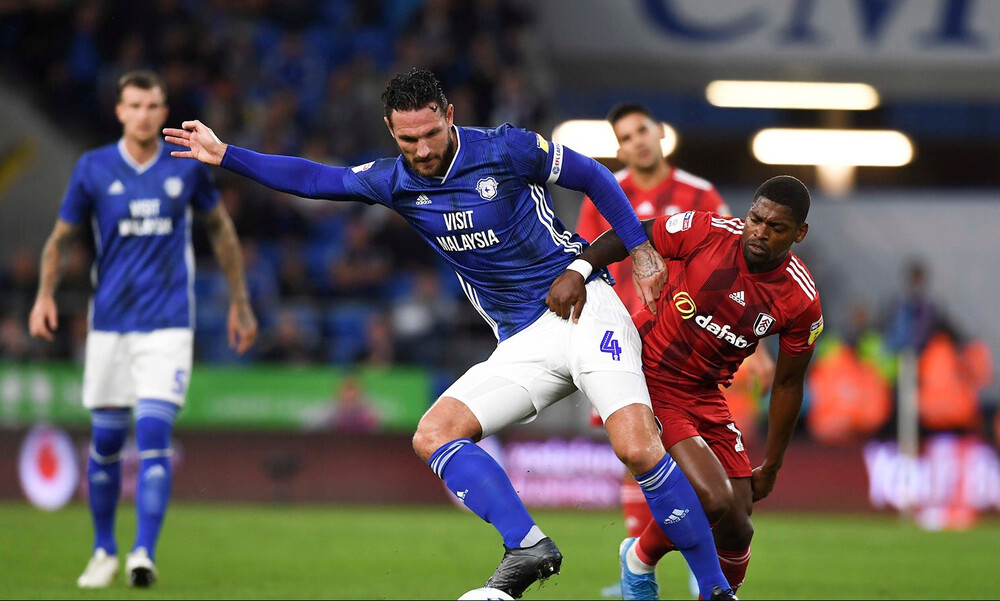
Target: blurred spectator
850,399
349,411
912,315
951,374
420,321
292,341
361,268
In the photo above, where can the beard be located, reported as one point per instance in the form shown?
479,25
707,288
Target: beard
446,158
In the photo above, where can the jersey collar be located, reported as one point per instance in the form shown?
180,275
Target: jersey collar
140,168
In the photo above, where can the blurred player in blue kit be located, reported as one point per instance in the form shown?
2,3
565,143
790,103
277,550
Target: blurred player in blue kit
478,196
139,200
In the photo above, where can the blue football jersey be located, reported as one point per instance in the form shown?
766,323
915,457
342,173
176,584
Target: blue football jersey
141,217
490,217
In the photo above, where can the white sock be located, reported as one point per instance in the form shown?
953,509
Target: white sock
532,537
636,565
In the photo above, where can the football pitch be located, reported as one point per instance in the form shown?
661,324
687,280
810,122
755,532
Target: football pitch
336,552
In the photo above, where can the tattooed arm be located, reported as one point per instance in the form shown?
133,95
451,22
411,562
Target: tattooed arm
568,293
44,318
242,325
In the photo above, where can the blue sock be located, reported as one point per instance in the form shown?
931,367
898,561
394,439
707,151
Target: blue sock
479,481
677,510
109,428
154,421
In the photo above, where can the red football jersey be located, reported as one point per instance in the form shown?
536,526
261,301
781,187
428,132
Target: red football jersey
679,192
713,311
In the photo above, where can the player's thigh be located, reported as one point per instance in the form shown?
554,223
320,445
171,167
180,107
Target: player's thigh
107,381
605,339
161,363
499,397
605,353
705,472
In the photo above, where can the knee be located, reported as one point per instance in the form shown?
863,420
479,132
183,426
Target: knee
430,436
717,501
735,533
638,456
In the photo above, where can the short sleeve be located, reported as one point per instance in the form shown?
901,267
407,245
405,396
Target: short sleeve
532,156
77,203
800,335
674,236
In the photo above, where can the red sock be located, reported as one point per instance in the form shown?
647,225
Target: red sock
653,544
637,513
734,566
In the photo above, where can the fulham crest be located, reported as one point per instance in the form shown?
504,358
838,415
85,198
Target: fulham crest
763,324
487,188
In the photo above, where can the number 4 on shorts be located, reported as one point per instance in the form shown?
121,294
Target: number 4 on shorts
610,345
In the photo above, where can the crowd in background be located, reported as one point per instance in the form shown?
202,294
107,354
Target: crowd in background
341,284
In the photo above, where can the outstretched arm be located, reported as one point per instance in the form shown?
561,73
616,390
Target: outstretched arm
786,401
293,175
242,325
568,293
44,317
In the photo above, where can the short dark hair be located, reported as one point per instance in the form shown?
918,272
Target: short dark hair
624,109
145,80
411,91
789,191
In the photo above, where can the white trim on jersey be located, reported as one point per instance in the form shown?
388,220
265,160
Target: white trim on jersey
454,159
801,277
140,168
545,216
189,263
692,180
473,297
730,225
557,163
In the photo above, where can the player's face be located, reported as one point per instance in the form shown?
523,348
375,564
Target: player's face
768,234
639,141
142,113
424,138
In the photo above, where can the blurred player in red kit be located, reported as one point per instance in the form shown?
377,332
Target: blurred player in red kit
730,283
654,187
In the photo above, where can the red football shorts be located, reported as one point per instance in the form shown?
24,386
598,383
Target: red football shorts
684,413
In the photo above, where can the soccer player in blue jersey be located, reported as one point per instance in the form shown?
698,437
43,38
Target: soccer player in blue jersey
479,198
139,200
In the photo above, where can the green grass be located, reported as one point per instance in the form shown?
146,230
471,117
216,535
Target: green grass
310,552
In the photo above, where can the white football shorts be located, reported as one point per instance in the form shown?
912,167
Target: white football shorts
121,368
600,355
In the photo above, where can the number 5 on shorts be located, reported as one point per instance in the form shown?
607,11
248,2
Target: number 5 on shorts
180,381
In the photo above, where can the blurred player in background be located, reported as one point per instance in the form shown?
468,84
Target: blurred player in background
731,283
654,187
139,345
479,197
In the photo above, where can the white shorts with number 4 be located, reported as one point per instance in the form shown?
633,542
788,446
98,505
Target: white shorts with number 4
552,358
121,368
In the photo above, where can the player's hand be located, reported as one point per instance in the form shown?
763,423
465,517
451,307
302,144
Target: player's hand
567,295
762,481
649,274
201,141
242,326
44,318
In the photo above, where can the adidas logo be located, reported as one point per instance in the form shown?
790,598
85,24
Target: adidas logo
738,297
676,516
117,187
461,493
423,200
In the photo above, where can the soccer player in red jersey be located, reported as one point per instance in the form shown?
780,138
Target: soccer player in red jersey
654,187
730,283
